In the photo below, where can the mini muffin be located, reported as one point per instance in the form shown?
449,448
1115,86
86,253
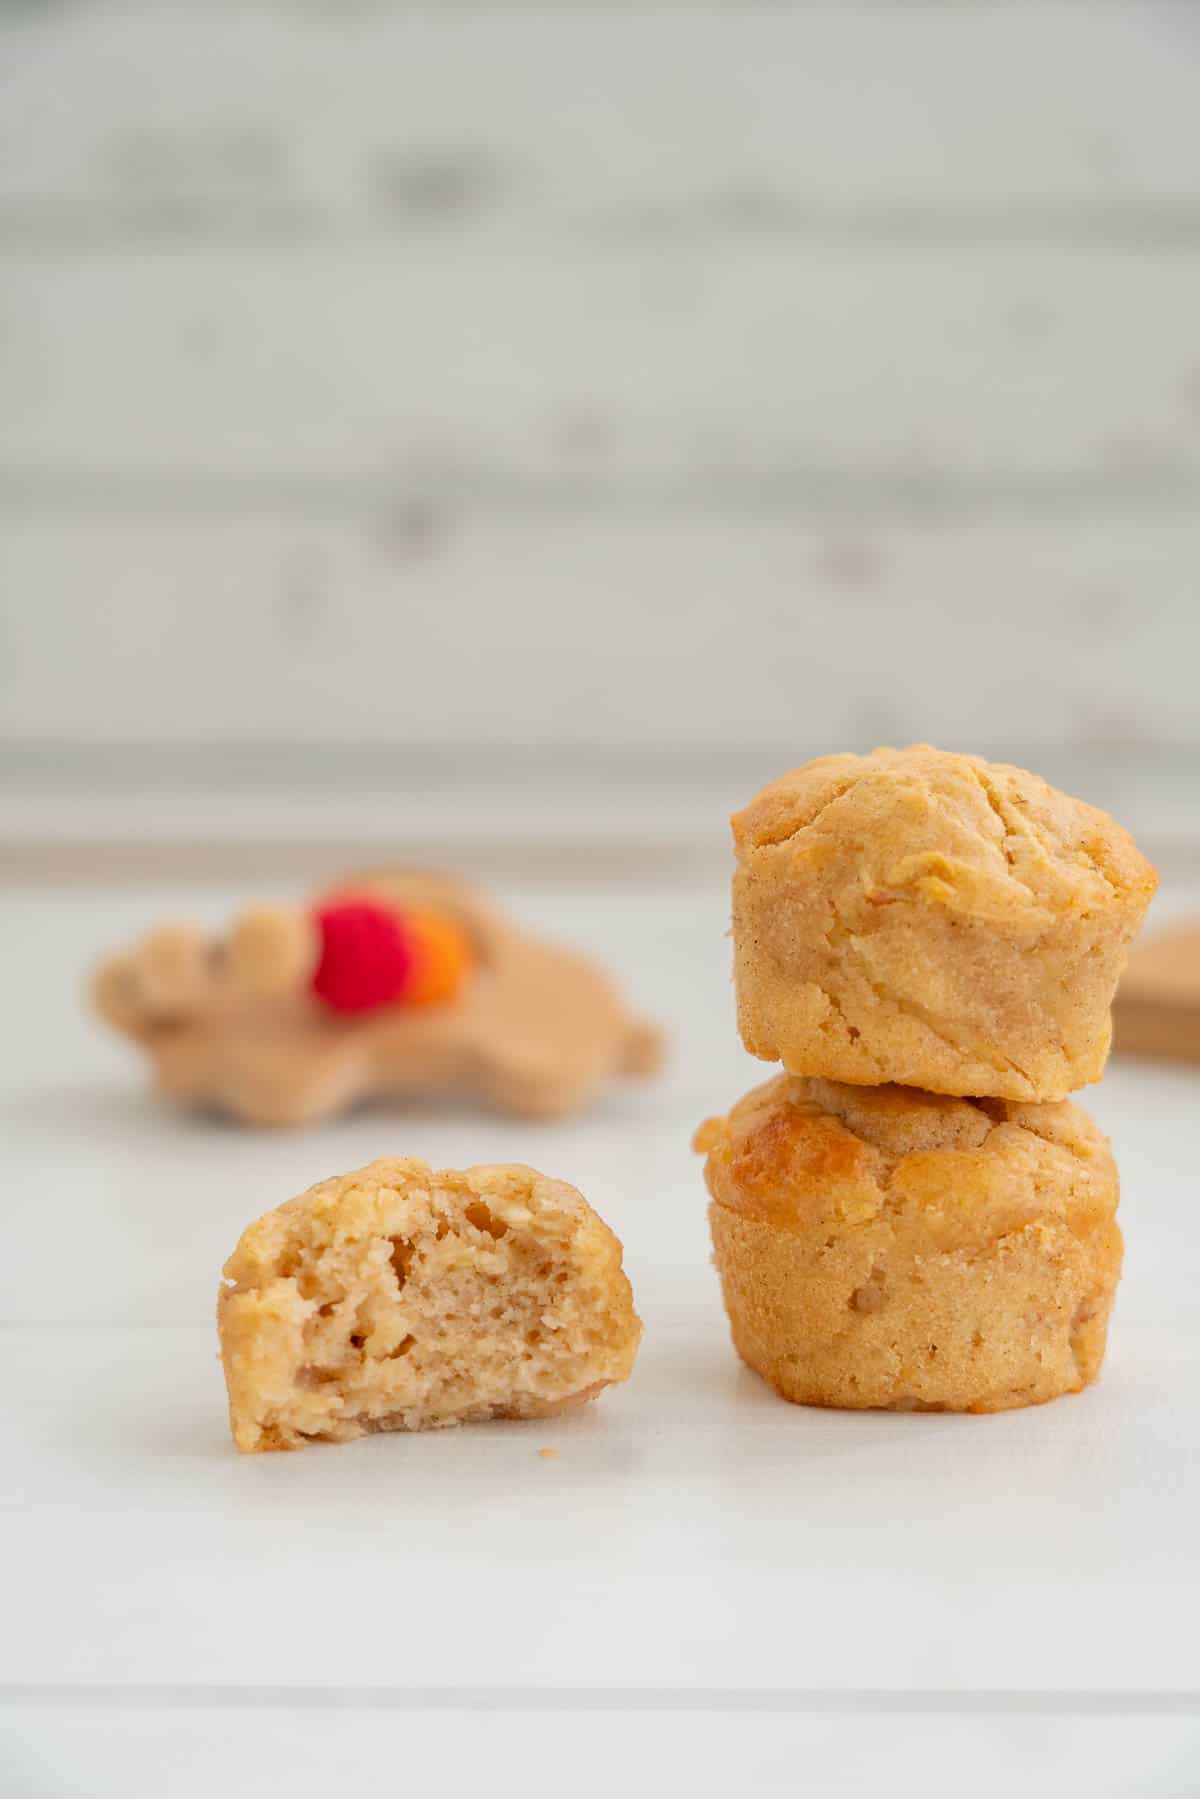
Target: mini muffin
400,1299
884,1247
931,919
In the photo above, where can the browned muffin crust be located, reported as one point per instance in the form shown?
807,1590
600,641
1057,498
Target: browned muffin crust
892,1248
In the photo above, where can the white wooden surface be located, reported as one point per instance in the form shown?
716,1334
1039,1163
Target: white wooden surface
507,372
987,1599
591,113
697,375
138,1751
784,636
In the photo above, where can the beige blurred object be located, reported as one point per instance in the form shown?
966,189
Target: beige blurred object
272,949
397,1298
170,975
1157,1008
537,1031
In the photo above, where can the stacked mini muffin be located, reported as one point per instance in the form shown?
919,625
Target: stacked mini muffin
914,1215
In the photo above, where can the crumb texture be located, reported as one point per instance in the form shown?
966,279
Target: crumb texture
397,1298
930,919
901,1249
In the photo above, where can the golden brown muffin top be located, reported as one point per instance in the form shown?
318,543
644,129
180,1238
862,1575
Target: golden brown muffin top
799,1152
976,836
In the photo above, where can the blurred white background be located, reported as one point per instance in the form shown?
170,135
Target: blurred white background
507,428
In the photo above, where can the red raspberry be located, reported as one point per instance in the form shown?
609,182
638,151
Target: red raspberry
367,955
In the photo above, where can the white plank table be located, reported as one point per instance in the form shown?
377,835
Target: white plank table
846,1593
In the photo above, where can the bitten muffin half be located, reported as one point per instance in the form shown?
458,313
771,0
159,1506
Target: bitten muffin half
886,1247
931,919
396,1298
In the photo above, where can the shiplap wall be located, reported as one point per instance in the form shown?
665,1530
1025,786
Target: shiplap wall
598,374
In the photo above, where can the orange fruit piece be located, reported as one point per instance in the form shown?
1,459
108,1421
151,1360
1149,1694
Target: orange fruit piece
443,959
